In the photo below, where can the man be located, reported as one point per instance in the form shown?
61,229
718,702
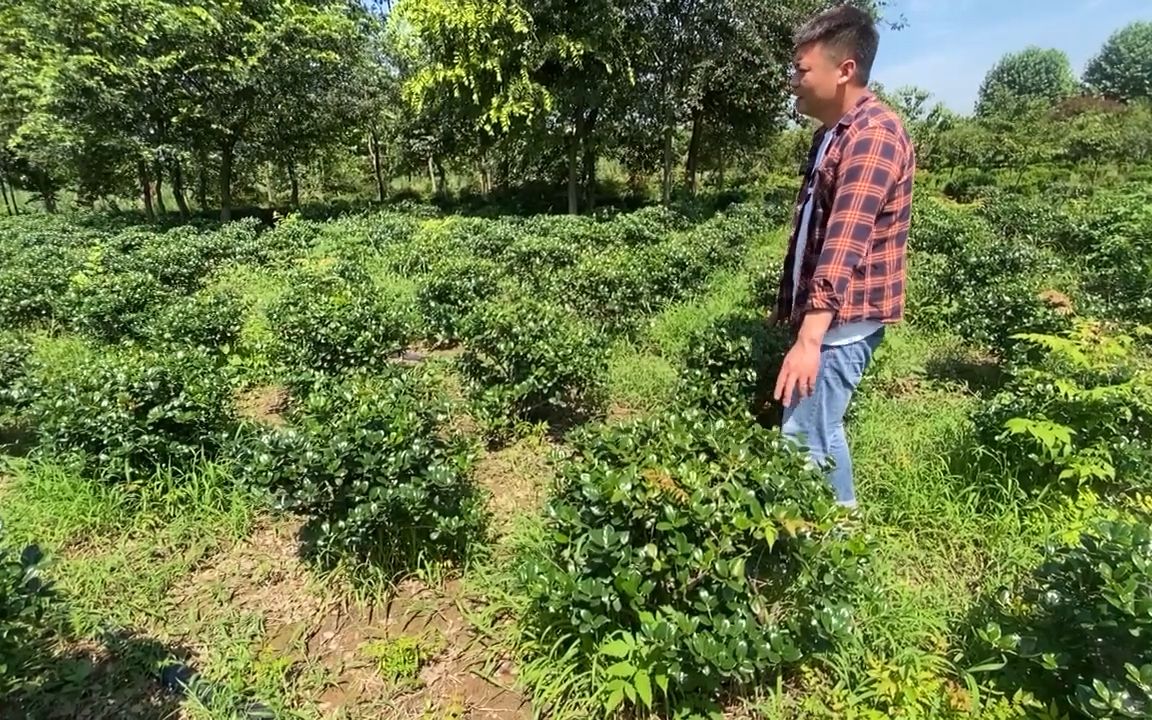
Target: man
843,278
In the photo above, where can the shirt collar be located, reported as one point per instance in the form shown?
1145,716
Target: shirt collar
852,114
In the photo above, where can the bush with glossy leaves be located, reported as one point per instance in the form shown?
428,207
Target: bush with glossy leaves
112,306
367,460
127,411
730,365
452,290
208,320
34,282
687,555
14,353
1078,633
529,361
337,320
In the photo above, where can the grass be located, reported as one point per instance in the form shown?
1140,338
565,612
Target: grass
114,552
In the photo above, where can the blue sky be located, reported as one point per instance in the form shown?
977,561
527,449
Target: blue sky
948,45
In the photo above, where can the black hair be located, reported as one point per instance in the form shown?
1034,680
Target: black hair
849,32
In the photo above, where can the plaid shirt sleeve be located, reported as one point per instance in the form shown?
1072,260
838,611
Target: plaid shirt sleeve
869,170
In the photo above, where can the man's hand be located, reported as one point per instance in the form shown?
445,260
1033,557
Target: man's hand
802,363
798,373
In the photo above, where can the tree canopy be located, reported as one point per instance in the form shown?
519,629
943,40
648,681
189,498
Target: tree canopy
1123,68
1033,75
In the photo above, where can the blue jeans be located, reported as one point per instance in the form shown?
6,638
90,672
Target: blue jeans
817,421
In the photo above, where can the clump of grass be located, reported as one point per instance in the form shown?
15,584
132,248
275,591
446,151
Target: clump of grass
116,548
638,380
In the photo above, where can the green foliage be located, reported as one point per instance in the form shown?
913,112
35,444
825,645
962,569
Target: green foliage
14,353
1031,75
729,365
337,320
965,278
1077,632
112,306
129,411
209,321
369,463
527,360
688,554
1119,269
450,292
27,607
1082,413
33,283
1123,68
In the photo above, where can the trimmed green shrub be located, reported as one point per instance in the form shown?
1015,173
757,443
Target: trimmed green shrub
612,289
368,462
128,411
14,353
210,321
1120,273
337,321
984,288
688,555
945,228
452,290
527,360
730,365
112,306
1078,633
33,283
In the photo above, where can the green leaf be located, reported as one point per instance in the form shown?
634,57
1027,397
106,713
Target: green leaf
621,669
643,688
615,698
617,648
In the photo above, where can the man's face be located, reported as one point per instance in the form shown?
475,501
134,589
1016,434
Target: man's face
816,79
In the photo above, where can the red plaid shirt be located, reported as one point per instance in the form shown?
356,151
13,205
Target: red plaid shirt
854,261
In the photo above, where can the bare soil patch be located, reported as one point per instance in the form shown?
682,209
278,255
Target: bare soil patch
410,657
265,404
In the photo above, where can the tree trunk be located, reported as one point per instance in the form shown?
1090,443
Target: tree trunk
226,181
574,172
590,158
202,180
377,162
432,175
721,166
4,191
589,178
160,205
146,189
177,172
441,177
269,194
692,169
47,195
295,182
666,191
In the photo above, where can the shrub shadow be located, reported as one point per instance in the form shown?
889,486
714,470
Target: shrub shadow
16,441
122,674
980,375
